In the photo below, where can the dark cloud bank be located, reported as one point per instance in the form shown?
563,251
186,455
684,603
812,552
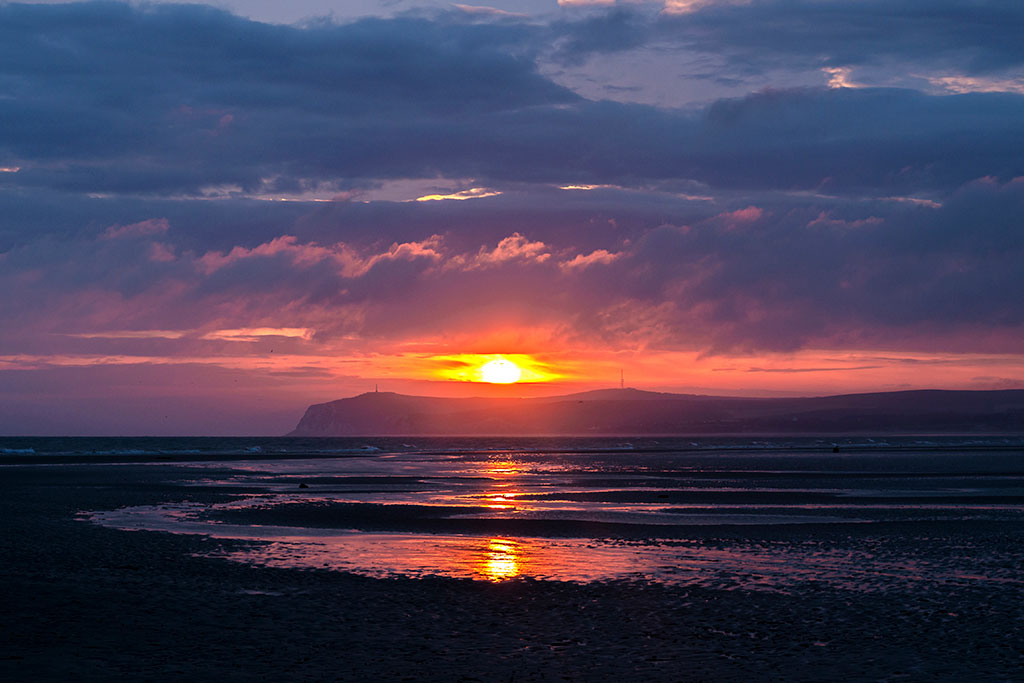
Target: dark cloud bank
105,98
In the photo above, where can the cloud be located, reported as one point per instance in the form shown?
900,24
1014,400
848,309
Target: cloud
185,97
250,334
112,100
841,368
471,193
152,226
598,256
286,244
486,11
964,84
131,334
762,35
791,272
515,247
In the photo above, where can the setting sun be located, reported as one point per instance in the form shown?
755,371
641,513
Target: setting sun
494,368
500,371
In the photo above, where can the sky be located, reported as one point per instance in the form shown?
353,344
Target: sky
212,216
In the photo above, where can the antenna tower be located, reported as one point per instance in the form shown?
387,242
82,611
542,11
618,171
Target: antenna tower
622,379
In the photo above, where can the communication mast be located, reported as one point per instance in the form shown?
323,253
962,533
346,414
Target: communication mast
622,379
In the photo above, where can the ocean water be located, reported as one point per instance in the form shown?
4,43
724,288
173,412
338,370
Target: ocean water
859,514
285,447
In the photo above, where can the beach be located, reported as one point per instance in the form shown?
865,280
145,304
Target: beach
87,602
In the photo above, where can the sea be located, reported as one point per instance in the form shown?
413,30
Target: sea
753,513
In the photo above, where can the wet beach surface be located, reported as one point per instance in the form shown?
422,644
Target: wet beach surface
708,519
86,602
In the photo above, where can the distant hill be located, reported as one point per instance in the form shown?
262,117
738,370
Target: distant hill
635,412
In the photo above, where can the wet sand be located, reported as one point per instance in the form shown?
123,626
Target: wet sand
84,602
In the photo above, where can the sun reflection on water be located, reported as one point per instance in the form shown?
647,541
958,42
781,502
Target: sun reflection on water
500,501
501,560
504,474
501,467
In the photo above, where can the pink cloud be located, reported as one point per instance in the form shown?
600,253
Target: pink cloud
350,262
737,220
161,252
747,215
285,244
515,247
429,248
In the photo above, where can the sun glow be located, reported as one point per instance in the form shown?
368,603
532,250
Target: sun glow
494,368
500,371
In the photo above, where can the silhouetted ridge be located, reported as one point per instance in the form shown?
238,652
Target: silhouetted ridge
616,395
631,411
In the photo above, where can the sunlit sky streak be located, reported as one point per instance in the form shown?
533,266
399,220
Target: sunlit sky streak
211,217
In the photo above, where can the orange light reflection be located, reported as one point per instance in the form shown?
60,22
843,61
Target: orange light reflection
500,501
504,471
501,560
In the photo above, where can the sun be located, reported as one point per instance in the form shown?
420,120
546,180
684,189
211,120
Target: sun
493,368
500,371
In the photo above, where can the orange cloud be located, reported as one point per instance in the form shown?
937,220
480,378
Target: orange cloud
585,260
248,334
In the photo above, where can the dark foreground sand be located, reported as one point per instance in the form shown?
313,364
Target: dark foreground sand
81,602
